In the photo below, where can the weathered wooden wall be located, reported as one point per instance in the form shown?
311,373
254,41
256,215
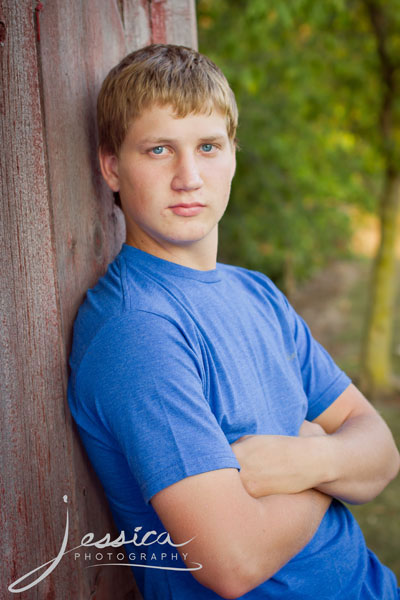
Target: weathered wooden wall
59,230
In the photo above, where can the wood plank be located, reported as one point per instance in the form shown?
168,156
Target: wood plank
34,437
136,20
80,42
174,22
59,230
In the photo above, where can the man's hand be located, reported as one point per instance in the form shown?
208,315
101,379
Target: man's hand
278,464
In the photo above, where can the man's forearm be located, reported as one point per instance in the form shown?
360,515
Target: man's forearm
269,532
290,522
239,540
362,456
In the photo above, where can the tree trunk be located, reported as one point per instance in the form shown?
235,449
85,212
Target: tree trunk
376,355
376,364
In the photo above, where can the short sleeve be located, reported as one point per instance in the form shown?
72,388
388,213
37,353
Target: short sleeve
323,380
142,379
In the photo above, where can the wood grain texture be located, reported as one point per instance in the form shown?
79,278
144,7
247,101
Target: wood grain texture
136,20
59,230
36,470
174,22
80,42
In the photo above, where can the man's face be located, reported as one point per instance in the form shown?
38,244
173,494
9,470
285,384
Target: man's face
173,176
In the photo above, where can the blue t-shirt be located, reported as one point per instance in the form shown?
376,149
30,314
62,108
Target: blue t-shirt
169,366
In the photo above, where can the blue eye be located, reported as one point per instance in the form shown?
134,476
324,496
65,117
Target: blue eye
157,150
207,147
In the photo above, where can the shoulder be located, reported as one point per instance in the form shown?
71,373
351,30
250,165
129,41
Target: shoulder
256,284
123,307
249,276
133,333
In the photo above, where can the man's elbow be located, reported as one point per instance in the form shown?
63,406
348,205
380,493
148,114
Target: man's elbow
233,580
371,489
394,466
230,584
391,473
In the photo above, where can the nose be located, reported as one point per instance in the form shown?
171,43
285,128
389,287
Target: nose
186,175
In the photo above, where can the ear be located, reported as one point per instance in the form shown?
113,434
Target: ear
109,169
234,159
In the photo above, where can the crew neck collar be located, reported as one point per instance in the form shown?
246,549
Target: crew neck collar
159,266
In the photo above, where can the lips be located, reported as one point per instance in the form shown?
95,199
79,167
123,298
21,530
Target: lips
187,209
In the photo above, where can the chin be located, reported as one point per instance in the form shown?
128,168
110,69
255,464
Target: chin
184,242
186,238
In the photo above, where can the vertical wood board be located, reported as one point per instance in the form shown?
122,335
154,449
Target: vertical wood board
35,434
174,22
59,230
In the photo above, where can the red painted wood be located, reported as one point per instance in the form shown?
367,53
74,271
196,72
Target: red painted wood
59,230
174,22
80,42
158,21
35,438
136,19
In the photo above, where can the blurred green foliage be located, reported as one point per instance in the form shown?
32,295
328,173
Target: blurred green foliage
306,78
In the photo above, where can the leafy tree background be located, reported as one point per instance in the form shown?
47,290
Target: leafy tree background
310,88
307,96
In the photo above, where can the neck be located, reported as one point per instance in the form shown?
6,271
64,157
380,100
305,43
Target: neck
201,255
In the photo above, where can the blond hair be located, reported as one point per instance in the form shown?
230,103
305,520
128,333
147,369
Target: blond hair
161,74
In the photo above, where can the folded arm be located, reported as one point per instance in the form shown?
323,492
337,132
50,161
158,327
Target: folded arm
241,541
354,462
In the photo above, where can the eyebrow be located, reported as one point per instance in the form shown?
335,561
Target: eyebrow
214,138
160,141
155,141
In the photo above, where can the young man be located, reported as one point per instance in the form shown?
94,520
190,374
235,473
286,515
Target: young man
185,370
